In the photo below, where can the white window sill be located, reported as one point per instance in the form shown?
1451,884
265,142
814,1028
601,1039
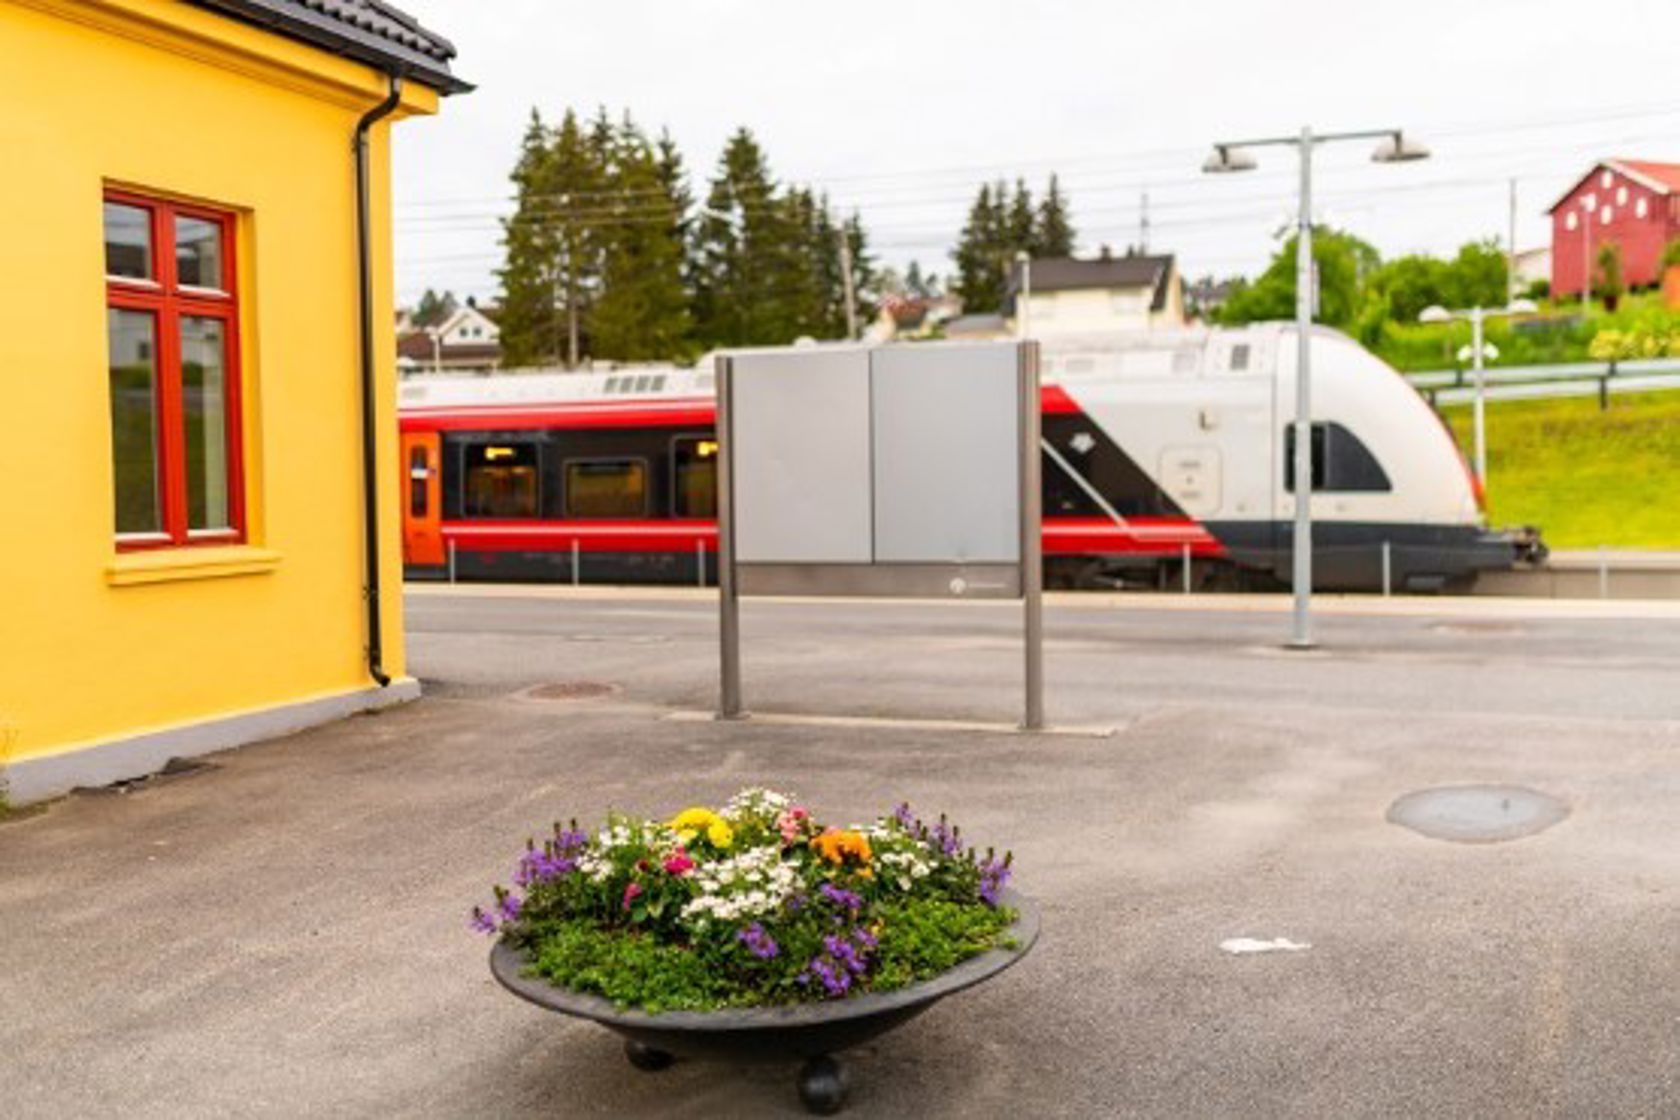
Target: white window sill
165,565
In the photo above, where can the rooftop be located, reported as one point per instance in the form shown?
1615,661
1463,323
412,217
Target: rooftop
369,31
1134,270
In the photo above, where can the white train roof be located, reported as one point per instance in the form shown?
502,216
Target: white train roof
1138,355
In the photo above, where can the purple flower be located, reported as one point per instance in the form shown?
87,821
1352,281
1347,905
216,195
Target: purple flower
841,897
835,981
904,817
508,907
945,838
993,875
541,866
571,841
482,922
759,943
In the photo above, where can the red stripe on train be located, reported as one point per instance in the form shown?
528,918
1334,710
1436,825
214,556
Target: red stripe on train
1063,536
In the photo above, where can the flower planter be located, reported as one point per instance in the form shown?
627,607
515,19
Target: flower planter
812,1032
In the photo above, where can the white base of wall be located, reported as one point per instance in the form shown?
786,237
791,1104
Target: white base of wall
117,760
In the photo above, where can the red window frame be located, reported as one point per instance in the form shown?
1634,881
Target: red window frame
167,301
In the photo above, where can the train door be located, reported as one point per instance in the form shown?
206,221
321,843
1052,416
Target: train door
422,499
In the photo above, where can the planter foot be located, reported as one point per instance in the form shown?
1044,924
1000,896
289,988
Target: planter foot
645,1057
822,1086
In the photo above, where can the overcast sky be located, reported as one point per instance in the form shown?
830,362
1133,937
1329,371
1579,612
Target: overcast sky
901,109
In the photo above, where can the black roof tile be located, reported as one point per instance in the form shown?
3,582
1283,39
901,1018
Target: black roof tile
369,31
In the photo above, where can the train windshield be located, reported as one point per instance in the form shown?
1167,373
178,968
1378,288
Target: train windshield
1340,462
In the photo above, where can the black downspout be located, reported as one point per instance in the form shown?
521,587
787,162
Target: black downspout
370,431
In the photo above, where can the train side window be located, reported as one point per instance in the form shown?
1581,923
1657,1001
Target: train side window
694,477
606,488
417,476
1239,357
501,480
1341,463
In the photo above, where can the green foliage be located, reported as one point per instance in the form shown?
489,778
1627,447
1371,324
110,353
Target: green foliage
605,258
1607,277
433,308
641,312
922,939
1375,300
1342,260
529,329
765,265
1671,253
631,969
1054,235
1586,477
1001,223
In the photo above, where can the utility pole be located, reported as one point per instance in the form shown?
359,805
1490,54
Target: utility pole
1511,248
1143,225
846,282
554,310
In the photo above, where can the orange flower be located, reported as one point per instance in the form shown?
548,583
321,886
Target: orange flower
837,845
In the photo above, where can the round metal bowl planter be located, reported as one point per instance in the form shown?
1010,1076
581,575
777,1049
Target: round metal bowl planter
813,1032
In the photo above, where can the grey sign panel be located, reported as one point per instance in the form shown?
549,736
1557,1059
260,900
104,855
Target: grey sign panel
800,425
947,435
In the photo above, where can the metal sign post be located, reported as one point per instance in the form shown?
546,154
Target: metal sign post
894,472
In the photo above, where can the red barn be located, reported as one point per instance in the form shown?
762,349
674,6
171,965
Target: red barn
1627,202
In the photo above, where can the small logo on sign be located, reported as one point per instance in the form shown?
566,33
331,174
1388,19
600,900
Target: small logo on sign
958,585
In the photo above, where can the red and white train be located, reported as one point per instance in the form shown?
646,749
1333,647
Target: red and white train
1159,447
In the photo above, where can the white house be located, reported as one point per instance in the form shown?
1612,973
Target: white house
467,342
1069,296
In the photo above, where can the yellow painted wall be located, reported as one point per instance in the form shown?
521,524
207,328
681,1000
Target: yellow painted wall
170,98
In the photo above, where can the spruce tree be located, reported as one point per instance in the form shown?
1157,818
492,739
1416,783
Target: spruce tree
641,310
1020,227
914,283
1053,233
528,324
752,271
865,278
979,279
575,194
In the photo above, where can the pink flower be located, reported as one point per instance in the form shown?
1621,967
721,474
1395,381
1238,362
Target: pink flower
678,863
631,893
791,823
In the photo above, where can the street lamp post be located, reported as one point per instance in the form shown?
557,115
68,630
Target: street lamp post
1231,156
1023,328
1477,316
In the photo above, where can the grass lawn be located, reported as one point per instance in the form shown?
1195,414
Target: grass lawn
1586,477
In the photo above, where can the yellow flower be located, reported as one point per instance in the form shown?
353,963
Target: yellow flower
720,834
690,822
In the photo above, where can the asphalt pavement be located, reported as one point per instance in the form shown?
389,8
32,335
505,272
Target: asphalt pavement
282,933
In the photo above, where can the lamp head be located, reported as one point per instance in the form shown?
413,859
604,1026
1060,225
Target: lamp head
1434,313
1523,307
1226,159
1398,148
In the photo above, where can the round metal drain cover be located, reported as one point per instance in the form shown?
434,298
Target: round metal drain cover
571,690
1477,814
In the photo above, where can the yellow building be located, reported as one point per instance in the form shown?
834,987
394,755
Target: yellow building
197,388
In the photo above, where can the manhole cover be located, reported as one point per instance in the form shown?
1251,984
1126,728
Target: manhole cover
570,690
1477,814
